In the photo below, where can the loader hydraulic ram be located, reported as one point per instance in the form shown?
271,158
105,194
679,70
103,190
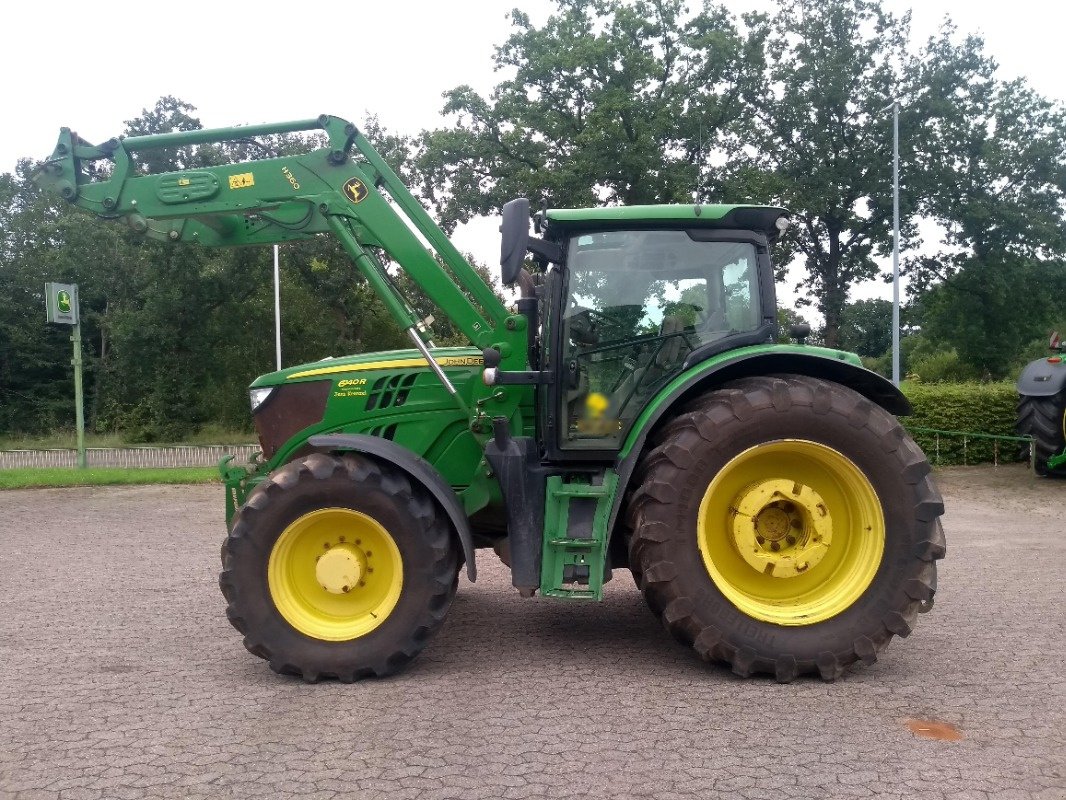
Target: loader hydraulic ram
632,411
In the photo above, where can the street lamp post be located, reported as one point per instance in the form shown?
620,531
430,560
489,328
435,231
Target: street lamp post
895,243
895,239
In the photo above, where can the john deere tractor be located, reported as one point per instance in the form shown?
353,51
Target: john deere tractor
1042,410
630,411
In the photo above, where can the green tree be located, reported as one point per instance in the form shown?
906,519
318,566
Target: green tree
820,142
999,156
609,101
990,311
866,327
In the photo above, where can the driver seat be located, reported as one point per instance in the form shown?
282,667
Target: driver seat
670,352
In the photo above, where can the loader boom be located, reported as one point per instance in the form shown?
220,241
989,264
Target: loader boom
340,189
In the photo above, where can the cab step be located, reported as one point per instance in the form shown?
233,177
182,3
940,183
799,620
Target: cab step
577,510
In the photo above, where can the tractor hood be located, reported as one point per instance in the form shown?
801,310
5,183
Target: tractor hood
365,362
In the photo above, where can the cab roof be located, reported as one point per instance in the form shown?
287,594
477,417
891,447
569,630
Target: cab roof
735,216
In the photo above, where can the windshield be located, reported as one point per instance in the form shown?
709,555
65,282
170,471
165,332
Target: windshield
638,303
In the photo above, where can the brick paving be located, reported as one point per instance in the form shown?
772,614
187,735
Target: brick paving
120,678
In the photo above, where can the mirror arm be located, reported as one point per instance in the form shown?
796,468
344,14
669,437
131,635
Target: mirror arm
545,251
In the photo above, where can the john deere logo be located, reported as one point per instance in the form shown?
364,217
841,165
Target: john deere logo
63,301
356,190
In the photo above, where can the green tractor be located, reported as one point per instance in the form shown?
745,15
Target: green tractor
1042,410
630,411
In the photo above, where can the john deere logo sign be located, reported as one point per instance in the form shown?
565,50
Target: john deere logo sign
61,303
356,190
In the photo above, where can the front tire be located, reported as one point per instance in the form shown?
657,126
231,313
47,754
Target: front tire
338,567
786,526
1044,419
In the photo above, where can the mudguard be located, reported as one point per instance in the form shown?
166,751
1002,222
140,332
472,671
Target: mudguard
794,360
1042,378
417,469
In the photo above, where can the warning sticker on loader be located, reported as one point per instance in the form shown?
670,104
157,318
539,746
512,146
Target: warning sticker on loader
356,190
241,181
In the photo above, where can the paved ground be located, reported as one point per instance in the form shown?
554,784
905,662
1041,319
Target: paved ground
119,677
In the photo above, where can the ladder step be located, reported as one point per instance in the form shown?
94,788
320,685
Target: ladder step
575,537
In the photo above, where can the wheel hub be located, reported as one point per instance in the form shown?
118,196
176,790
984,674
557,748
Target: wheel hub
340,568
780,528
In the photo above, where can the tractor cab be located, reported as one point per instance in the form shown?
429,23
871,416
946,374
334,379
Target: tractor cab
634,297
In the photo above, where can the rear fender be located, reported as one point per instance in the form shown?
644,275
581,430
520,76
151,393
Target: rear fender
1042,378
821,363
417,469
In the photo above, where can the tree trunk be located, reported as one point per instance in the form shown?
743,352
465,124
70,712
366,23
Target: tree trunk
835,290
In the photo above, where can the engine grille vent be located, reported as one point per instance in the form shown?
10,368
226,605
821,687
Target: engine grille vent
384,431
390,391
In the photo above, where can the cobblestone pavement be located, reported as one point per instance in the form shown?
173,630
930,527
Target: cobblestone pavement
121,678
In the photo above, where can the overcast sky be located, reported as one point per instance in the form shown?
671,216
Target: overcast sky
91,67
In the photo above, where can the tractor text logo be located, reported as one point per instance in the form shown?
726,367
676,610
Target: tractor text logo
63,301
356,190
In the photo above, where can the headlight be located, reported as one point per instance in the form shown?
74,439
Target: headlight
259,396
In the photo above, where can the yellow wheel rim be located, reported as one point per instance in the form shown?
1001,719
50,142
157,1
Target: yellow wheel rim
335,574
791,532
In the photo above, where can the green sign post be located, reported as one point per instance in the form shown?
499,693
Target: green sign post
61,307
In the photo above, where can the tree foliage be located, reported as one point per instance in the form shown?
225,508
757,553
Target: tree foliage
866,327
820,139
606,102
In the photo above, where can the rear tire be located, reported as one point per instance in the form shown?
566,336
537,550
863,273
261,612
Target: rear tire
273,583
1044,418
754,439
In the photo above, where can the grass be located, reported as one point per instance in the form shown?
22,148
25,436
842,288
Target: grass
102,476
68,440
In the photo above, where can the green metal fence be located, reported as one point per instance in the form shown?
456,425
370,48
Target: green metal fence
970,447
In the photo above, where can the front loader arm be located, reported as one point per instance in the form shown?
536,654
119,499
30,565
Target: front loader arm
336,189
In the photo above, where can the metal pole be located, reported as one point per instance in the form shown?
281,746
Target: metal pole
277,307
79,414
895,243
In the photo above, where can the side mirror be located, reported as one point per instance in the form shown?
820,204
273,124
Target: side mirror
514,239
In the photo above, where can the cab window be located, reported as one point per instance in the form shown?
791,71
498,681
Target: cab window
637,303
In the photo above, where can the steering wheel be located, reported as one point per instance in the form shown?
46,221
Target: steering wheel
586,332
592,312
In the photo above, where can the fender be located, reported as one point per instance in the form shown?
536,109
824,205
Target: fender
816,362
417,469
1042,378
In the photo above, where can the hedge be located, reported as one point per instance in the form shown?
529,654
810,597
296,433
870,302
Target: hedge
987,408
